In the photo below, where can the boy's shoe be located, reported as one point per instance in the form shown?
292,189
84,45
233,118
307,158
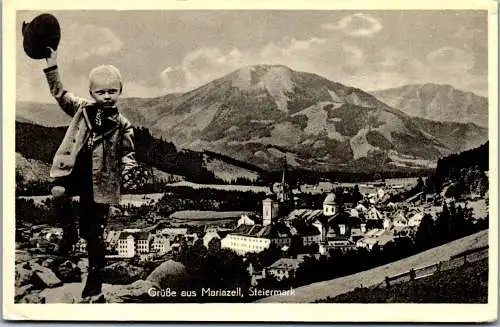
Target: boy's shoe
94,299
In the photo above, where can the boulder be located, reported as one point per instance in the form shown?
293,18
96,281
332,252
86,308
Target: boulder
67,293
22,291
24,274
122,273
167,274
68,272
22,256
45,277
138,291
32,298
71,293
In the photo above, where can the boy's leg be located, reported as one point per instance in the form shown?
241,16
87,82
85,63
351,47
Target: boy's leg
62,202
92,223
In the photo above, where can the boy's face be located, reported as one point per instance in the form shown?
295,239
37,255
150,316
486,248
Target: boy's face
106,94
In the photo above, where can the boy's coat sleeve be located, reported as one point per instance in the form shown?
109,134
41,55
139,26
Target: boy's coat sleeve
67,101
127,145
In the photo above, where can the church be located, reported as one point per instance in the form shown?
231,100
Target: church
280,222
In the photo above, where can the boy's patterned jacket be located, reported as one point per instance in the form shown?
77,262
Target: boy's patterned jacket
113,149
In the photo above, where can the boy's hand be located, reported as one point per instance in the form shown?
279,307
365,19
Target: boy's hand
52,59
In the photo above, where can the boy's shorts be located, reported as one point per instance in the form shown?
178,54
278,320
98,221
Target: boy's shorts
79,182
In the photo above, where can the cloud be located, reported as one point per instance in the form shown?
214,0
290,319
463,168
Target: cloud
142,89
469,33
356,25
451,59
174,78
201,66
80,41
355,56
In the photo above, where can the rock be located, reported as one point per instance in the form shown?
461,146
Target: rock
166,274
99,298
83,264
138,291
22,291
67,293
24,274
48,263
36,261
22,256
71,293
68,272
45,276
32,298
122,273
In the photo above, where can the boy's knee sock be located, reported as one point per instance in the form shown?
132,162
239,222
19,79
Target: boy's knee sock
64,213
96,252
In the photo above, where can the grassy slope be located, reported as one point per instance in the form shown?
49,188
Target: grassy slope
467,284
334,287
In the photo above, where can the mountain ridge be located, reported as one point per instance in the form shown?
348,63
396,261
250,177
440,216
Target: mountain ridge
438,102
260,113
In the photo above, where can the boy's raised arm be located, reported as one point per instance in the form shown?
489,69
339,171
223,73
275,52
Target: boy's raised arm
67,101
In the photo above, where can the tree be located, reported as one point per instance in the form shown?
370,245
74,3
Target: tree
425,237
296,246
443,225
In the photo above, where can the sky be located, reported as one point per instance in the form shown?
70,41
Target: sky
160,52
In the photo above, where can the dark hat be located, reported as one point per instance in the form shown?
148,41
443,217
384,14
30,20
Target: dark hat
42,32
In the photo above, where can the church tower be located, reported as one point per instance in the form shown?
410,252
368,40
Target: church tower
283,192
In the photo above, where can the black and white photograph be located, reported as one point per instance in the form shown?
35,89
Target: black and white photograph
189,155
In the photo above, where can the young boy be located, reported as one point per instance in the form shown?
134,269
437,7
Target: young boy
97,148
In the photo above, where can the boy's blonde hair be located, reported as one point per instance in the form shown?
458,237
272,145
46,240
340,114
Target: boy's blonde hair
105,73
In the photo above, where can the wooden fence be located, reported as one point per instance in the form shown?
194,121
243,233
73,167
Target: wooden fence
455,261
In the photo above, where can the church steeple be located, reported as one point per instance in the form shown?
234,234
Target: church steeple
287,192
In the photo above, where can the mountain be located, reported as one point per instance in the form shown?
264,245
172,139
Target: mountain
437,102
36,146
44,114
258,114
32,169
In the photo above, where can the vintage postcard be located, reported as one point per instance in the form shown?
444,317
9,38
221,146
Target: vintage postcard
249,161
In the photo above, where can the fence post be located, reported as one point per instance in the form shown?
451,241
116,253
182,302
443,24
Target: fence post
465,260
387,282
412,274
438,266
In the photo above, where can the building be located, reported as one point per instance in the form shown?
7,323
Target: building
111,239
305,223
387,224
143,240
160,244
275,229
330,206
284,268
81,245
341,242
376,238
256,238
172,231
373,214
134,243
246,220
416,219
209,235
400,220
126,245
